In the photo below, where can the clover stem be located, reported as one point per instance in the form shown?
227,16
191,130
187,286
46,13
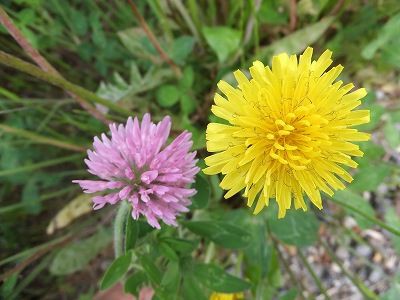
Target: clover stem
119,228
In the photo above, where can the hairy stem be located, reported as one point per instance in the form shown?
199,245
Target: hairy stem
119,228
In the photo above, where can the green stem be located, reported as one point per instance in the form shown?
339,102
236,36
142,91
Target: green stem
119,228
368,217
16,63
313,275
39,139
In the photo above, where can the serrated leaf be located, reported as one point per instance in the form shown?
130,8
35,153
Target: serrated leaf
297,228
221,233
223,40
369,176
202,186
116,270
76,256
218,280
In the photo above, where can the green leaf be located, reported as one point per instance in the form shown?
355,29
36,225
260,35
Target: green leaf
297,228
218,280
181,49
170,280
134,282
30,197
167,95
192,289
188,104
131,234
269,13
297,41
389,31
152,272
79,24
369,177
289,295
180,245
8,286
116,270
221,233
202,186
76,256
187,79
223,40
394,292
393,220
168,252
355,200
392,133
376,112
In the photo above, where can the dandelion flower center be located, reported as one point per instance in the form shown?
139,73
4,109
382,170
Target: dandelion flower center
289,131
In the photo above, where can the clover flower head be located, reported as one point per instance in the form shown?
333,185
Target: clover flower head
288,130
136,165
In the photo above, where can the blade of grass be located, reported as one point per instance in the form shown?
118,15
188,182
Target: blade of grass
185,15
43,164
31,276
44,197
43,63
369,294
368,217
20,65
39,139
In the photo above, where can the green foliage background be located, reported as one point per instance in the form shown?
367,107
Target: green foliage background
219,246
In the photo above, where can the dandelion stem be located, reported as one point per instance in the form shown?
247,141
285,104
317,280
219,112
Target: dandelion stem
119,228
313,275
368,217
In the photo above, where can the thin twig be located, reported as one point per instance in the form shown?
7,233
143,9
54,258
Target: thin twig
153,39
337,7
43,63
293,15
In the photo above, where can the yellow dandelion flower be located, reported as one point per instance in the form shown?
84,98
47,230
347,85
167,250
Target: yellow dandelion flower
223,296
290,129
